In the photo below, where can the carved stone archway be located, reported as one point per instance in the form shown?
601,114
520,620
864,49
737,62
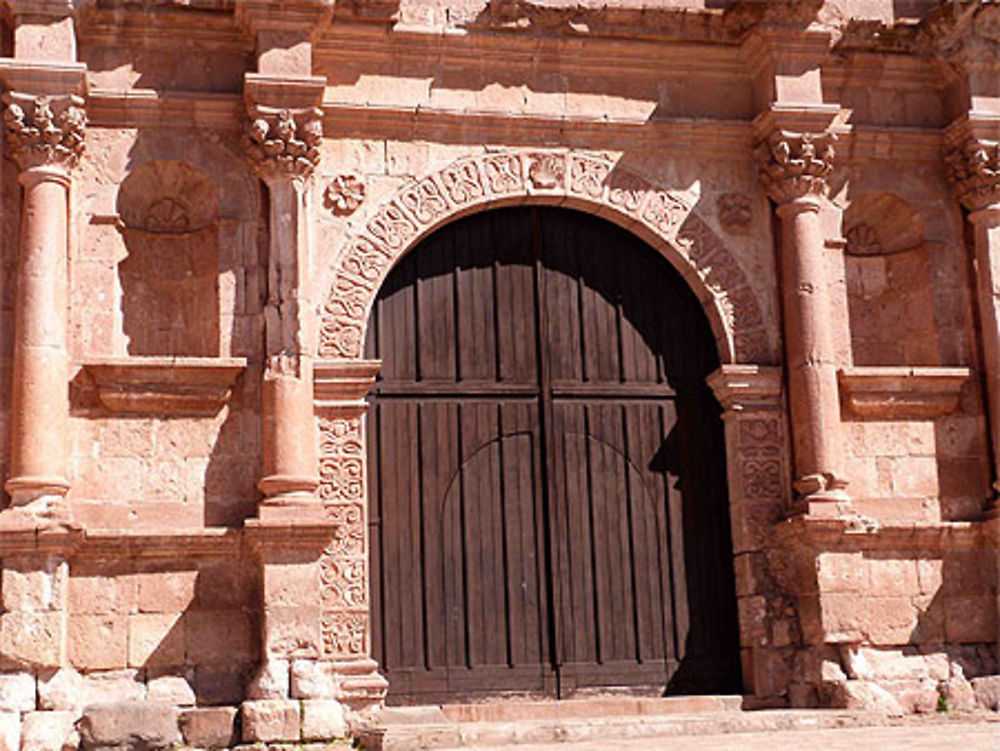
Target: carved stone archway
756,447
591,183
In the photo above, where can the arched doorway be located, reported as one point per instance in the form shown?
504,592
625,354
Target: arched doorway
547,470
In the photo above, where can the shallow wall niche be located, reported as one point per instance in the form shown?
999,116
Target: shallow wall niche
169,279
889,293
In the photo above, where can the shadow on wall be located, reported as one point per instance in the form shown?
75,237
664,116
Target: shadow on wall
188,631
170,277
706,619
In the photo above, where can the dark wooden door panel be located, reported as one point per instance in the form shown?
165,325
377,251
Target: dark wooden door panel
546,468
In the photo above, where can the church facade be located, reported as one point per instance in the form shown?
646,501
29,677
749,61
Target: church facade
425,351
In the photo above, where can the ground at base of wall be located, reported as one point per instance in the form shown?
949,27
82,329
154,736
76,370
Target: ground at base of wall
973,736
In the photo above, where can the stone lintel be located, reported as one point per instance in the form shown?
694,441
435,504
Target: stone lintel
801,118
301,534
165,385
856,533
343,384
902,392
291,92
972,125
747,388
43,78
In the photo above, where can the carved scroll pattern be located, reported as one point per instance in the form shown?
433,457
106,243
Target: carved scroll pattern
343,566
762,451
588,179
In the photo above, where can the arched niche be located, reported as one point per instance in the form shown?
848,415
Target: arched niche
169,278
888,269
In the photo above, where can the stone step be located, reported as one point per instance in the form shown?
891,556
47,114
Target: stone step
471,726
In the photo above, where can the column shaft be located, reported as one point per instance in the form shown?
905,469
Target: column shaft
812,374
40,408
290,469
986,223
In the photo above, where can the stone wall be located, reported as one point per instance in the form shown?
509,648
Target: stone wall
198,211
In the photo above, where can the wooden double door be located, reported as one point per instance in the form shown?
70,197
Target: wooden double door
547,472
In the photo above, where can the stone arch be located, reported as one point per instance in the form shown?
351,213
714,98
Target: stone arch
573,179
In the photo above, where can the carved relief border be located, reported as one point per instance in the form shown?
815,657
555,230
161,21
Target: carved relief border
343,565
590,181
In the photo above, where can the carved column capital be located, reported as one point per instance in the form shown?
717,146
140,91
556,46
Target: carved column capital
974,169
284,143
795,166
44,130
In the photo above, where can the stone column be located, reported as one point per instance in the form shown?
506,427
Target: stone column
974,169
45,138
284,149
794,168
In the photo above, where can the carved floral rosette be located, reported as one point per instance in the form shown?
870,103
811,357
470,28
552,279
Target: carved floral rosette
974,170
795,166
591,181
44,131
343,565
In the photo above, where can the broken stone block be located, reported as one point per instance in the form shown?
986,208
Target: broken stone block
958,694
209,727
271,681
312,680
271,720
17,692
49,731
323,719
863,695
987,691
10,731
61,690
171,689
129,726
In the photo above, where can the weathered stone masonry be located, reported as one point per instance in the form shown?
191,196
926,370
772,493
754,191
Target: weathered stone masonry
201,202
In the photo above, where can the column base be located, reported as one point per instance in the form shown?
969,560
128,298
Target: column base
40,494
821,495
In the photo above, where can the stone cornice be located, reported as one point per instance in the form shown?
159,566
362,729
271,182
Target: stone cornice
747,388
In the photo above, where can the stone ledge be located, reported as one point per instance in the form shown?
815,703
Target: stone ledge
165,385
900,393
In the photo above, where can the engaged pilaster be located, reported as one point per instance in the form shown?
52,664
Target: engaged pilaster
794,171
44,134
974,169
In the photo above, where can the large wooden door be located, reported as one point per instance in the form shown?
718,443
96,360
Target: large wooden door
547,471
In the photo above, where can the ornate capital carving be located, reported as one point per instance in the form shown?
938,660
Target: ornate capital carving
974,169
284,142
795,165
44,131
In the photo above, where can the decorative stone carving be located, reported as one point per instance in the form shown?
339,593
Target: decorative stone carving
735,215
587,178
547,171
343,565
341,459
863,241
795,166
344,194
44,130
974,169
344,634
285,142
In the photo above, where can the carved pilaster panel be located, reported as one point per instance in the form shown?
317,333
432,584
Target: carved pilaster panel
44,131
795,166
344,620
